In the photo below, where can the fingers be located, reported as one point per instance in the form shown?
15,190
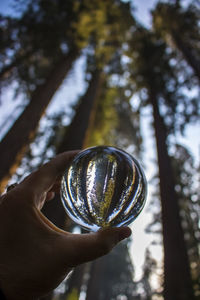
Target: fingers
56,186
58,164
50,195
44,178
81,248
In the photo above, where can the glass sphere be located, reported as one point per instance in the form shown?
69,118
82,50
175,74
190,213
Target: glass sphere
103,187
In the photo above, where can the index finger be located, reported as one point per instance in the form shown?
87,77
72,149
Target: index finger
42,180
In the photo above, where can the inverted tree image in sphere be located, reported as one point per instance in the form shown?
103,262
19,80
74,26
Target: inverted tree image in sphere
103,187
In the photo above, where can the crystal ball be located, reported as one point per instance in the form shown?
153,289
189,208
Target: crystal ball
103,187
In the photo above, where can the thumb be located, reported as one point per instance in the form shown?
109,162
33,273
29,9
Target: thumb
82,248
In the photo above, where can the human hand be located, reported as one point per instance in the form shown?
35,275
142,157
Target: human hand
35,255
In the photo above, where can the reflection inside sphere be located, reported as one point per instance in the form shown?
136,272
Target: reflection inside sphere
103,186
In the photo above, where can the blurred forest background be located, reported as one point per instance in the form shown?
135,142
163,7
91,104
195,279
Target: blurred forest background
78,73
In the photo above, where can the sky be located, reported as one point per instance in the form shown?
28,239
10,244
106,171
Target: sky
192,139
5,7
142,8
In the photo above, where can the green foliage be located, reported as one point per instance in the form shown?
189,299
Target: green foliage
49,29
115,122
40,37
170,18
179,26
153,72
105,120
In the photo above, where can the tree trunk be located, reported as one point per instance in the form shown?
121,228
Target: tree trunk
19,136
77,131
74,138
187,53
177,278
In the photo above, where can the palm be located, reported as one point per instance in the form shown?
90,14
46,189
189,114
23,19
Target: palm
35,255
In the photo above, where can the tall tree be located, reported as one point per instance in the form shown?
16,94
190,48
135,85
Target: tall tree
35,40
88,24
106,39
41,62
75,136
13,145
153,74
181,25
79,119
116,123
47,29
175,253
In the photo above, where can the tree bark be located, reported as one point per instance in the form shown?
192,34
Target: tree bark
177,278
21,133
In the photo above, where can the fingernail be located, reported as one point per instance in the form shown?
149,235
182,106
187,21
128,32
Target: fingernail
124,233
